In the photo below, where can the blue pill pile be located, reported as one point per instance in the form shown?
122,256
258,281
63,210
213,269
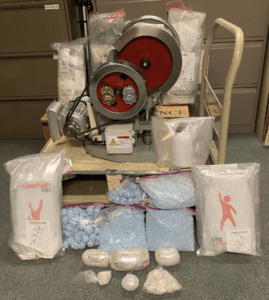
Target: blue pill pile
127,193
170,191
78,227
125,229
170,229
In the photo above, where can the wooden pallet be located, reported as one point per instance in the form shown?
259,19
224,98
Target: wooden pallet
84,164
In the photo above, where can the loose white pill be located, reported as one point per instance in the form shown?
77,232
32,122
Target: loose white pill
167,257
130,282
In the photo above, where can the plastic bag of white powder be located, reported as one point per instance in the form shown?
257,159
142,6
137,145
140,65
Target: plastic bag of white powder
35,196
227,200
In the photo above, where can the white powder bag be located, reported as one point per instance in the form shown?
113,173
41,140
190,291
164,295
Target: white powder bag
104,277
96,258
227,200
130,282
35,196
167,257
128,260
159,282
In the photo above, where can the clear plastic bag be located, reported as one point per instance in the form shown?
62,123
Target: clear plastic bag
227,208
86,276
130,282
36,199
182,142
167,257
104,29
129,260
170,229
170,190
127,193
71,69
78,226
121,228
189,26
159,282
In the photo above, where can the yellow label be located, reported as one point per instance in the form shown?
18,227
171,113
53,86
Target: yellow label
113,143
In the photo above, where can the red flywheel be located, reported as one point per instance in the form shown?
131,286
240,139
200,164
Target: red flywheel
152,57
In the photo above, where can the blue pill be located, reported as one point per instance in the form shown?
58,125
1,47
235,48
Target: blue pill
73,222
75,245
120,191
89,230
85,238
123,200
65,220
82,245
66,244
90,243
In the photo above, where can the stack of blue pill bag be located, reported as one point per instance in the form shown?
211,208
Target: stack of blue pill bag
121,228
79,229
127,193
171,224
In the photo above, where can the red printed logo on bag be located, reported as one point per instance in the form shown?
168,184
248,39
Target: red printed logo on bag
226,211
35,213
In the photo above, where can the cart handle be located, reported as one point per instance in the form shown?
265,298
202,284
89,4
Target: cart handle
237,55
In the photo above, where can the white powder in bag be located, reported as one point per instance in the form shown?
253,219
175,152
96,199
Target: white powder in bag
35,195
227,199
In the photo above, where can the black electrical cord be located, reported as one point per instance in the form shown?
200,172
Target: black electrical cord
94,128
74,107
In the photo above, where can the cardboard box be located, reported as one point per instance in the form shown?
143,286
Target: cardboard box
173,111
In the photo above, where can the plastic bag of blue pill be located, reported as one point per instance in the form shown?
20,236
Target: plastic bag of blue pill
79,229
127,193
121,228
170,229
169,190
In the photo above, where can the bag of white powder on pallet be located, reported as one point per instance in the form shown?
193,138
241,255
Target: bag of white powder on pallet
36,198
227,202
189,26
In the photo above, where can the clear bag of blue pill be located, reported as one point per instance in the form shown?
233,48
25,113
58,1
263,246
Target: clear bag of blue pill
79,229
126,193
121,227
170,229
169,190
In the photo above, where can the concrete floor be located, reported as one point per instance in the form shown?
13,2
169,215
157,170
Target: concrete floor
227,276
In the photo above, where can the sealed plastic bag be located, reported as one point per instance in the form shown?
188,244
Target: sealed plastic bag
71,69
130,282
104,29
182,142
227,199
96,258
170,229
36,198
127,193
121,228
78,225
129,260
160,282
189,26
170,190
167,257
